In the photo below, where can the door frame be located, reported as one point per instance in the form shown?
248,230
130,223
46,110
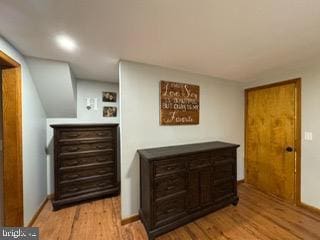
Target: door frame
12,141
297,174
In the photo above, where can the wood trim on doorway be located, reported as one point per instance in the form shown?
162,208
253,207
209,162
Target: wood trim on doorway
297,82
12,141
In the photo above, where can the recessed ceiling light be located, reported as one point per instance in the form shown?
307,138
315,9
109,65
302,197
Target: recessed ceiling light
66,42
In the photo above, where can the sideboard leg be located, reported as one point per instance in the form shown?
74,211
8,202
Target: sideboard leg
235,201
151,237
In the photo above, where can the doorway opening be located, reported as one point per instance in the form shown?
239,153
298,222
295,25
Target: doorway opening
272,139
11,141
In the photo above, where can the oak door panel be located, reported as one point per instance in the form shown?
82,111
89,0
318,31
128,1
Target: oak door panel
270,129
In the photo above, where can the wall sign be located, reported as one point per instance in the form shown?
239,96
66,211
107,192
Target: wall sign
179,103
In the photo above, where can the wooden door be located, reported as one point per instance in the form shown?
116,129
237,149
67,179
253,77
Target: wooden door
270,138
12,142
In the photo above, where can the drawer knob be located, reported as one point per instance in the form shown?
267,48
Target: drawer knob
101,171
99,159
74,162
73,176
170,187
73,149
100,134
102,184
73,135
73,189
170,210
100,147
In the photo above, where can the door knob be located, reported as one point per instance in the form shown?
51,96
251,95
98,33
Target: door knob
289,149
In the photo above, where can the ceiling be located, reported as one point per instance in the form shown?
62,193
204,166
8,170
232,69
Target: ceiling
234,40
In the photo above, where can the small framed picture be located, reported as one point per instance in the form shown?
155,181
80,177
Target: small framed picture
109,111
109,96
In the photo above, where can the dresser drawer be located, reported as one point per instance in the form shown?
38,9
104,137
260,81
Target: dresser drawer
169,209
200,160
224,170
85,173
224,154
170,184
74,134
86,146
82,187
86,159
165,167
223,189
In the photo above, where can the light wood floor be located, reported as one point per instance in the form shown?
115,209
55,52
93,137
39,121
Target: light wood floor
257,216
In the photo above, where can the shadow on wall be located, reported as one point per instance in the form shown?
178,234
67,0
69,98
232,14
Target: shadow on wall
50,164
133,175
119,157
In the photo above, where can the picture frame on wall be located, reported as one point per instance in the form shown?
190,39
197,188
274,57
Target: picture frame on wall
109,97
179,103
109,111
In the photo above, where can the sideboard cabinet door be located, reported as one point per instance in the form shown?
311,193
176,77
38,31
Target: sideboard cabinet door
200,188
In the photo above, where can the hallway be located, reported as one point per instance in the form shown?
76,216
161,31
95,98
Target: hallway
257,216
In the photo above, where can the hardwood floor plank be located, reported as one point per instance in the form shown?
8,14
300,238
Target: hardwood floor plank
272,199
195,231
67,222
262,224
299,224
80,224
229,228
179,233
211,230
246,225
257,217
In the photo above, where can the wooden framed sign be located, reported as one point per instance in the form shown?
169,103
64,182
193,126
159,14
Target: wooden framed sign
179,103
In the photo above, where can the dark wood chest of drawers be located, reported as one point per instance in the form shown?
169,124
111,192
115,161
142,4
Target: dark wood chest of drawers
181,183
85,162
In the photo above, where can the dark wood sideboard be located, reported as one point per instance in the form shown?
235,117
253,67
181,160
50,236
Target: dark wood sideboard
181,183
85,162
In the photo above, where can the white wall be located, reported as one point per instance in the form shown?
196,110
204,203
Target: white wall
85,88
56,86
94,89
309,71
34,139
221,118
